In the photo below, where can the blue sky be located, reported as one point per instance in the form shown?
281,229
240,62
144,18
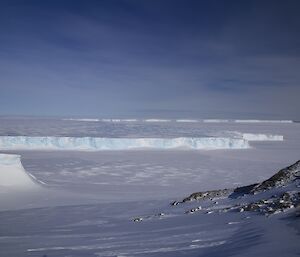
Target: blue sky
168,58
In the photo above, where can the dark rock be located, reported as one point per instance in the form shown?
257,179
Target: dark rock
281,178
194,209
275,205
138,219
245,189
208,195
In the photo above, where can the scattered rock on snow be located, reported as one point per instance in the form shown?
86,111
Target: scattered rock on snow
138,219
281,178
208,195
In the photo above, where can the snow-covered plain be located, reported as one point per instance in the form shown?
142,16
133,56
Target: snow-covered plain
82,203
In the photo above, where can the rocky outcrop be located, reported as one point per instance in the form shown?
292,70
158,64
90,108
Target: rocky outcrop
280,201
243,190
213,194
275,204
281,178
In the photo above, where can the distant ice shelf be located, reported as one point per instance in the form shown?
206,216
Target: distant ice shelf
261,137
157,120
86,120
244,121
103,120
215,121
177,120
119,120
186,120
263,121
98,144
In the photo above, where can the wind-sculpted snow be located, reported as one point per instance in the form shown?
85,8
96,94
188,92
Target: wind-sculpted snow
96,144
12,173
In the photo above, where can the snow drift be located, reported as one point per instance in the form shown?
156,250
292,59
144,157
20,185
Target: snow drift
97,143
12,173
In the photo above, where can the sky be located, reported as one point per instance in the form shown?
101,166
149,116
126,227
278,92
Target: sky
150,58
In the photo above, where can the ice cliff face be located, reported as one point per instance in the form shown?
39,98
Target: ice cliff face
12,173
261,137
9,159
96,144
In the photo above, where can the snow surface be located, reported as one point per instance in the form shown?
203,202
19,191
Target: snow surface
96,144
91,198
